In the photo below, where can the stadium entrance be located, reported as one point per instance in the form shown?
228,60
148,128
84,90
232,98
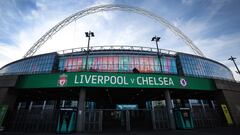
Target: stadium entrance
109,109
94,101
106,109
124,109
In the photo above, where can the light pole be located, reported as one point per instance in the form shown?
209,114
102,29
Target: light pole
167,92
157,39
233,60
89,35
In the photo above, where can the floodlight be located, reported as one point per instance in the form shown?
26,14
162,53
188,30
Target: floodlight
86,33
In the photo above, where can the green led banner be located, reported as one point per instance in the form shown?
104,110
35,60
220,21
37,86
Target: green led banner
127,80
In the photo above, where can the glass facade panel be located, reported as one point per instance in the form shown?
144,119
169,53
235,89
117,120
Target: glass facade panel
32,65
190,65
120,63
200,67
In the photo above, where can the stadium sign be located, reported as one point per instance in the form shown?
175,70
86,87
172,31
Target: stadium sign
120,80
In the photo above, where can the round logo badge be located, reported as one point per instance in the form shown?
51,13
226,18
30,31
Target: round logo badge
183,82
62,81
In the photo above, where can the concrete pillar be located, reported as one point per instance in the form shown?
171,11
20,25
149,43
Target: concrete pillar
203,107
81,110
153,120
213,105
100,120
8,97
169,109
190,103
128,124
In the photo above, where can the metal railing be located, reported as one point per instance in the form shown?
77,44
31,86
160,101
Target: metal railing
208,118
99,120
121,48
93,120
33,121
125,120
160,119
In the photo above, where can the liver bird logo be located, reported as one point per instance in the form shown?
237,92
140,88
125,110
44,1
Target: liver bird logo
62,81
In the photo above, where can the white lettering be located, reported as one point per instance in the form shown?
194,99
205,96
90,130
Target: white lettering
94,79
106,79
113,80
119,80
125,81
132,80
81,80
139,81
100,79
122,80
76,81
145,80
160,80
155,81
150,80
171,81
87,79
165,80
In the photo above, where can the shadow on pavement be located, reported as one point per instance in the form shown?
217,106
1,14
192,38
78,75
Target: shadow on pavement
205,131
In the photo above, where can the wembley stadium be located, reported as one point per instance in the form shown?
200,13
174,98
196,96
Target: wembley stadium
117,88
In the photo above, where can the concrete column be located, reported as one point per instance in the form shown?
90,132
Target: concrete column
100,120
81,110
169,109
190,103
213,105
153,120
172,103
30,106
128,124
203,107
8,97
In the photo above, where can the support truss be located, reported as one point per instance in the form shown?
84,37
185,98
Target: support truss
111,7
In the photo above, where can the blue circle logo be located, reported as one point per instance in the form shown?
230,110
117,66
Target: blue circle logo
183,82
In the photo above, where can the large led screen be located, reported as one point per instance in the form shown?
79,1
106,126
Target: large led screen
120,63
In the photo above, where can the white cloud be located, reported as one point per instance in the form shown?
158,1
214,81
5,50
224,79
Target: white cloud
187,2
41,20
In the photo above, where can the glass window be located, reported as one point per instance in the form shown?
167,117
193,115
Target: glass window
119,63
36,64
200,67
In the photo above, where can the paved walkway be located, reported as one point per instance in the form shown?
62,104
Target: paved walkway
209,131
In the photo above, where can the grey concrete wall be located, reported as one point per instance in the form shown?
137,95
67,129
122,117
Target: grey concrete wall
233,101
227,85
3,93
7,92
231,94
8,81
7,96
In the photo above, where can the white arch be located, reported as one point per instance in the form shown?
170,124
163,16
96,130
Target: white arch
111,7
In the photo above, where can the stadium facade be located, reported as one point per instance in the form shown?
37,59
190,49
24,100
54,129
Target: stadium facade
122,88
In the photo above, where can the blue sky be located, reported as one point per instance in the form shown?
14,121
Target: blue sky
213,25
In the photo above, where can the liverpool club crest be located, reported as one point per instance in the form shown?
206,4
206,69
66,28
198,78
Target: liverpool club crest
62,81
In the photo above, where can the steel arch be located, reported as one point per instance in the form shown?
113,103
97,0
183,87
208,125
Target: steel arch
111,7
